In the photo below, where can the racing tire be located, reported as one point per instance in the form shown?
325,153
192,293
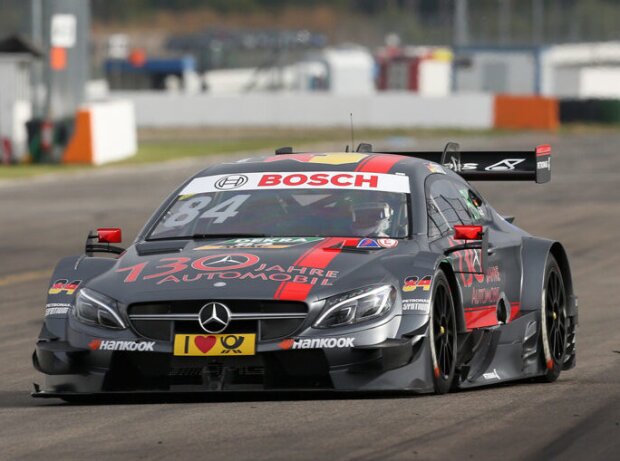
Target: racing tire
442,334
554,322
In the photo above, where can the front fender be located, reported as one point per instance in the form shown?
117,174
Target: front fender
415,286
68,276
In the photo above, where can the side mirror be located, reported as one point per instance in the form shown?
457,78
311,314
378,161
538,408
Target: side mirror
478,239
99,241
109,235
468,232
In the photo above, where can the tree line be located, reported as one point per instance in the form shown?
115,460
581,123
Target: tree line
490,21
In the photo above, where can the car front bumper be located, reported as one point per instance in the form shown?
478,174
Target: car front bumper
376,357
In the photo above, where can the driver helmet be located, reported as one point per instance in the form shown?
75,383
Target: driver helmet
372,219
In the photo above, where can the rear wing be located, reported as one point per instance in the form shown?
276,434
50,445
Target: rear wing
533,165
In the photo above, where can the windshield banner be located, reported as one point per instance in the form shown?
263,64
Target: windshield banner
299,180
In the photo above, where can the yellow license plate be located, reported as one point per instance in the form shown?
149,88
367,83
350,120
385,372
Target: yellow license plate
221,345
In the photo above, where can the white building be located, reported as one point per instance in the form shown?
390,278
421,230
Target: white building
346,70
586,70
338,71
16,58
424,70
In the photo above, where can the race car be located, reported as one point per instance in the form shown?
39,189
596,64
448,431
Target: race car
338,271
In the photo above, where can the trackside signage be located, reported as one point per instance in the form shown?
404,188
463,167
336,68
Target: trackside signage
299,180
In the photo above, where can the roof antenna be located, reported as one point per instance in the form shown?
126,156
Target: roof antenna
352,137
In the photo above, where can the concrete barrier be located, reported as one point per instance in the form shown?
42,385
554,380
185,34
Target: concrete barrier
385,110
104,132
590,111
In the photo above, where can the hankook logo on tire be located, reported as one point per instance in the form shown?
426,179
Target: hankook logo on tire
231,182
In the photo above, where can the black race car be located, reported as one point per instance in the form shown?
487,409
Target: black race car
346,271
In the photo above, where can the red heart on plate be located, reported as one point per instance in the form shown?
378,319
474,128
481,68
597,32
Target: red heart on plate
205,343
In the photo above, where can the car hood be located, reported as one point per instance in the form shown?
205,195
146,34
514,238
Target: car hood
294,269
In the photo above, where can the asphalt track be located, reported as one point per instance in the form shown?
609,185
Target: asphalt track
577,417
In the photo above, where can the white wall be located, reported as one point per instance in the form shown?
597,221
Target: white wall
388,109
113,128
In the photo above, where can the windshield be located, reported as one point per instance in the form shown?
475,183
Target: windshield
285,212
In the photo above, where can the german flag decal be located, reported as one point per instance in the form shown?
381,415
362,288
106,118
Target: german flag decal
64,286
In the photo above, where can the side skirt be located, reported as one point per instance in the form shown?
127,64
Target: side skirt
502,353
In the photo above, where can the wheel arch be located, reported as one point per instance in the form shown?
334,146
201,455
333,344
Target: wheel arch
535,254
559,253
447,269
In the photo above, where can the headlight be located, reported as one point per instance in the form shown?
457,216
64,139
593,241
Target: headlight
97,309
356,306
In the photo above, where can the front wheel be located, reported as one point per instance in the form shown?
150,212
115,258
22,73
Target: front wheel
554,321
442,332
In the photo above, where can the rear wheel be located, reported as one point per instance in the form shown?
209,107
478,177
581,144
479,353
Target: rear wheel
554,321
442,334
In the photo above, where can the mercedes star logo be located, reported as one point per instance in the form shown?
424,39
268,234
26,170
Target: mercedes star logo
223,262
228,260
214,317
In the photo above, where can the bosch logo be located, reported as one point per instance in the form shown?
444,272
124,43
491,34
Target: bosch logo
356,180
231,182
214,317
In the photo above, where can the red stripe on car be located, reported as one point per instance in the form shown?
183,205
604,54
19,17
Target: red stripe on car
479,317
291,291
515,310
361,164
317,258
486,316
379,163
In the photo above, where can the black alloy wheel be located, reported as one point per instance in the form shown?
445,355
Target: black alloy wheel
554,337
443,335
